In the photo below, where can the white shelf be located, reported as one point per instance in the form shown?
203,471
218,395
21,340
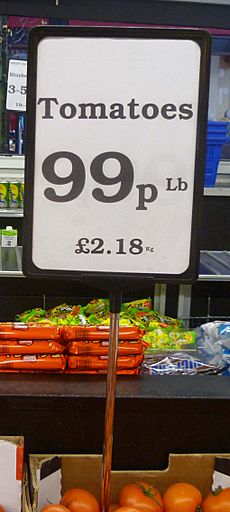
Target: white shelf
215,266
217,191
216,277
7,212
11,262
12,166
13,273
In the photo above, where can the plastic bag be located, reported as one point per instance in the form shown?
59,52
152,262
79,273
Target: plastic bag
176,363
213,343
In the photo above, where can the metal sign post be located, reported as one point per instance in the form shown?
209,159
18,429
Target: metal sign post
115,307
116,142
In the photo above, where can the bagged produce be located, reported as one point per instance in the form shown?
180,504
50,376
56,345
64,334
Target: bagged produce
148,319
97,348
59,315
99,332
31,347
177,363
133,371
30,331
32,363
164,338
98,307
32,315
101,362
213,342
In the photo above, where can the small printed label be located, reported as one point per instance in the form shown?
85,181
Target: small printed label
16,85
19,325
30,359
9,241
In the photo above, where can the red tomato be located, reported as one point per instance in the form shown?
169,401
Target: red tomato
218,501
84,500
73,506
182,497
142,496
127,509
112,507
53,508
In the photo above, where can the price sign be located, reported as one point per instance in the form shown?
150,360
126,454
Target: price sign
16,85
116,151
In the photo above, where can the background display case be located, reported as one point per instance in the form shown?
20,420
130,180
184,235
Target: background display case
154,415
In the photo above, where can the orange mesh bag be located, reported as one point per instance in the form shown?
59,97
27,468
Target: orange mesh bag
31,347
31,331
101,362
55,362
134,371
98,332
101,348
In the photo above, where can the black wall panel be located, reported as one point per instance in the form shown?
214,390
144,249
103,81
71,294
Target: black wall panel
129,11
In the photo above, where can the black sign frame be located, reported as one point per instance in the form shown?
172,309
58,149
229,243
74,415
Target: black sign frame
107,279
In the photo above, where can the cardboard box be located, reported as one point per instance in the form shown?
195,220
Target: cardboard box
51,476
11,472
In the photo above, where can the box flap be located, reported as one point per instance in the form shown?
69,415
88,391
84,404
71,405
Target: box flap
45,484
221,475
11,472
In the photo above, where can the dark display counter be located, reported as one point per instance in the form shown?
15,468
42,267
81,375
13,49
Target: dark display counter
154,415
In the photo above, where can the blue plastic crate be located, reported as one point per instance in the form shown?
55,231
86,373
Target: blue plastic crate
217,128
216,137
210,174
213,152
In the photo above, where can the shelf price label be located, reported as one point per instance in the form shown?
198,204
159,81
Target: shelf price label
16,85
117,138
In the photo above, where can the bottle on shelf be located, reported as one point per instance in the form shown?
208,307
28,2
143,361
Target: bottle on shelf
9,237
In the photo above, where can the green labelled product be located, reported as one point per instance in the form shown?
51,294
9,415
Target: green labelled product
9,237
14,194
21,194
4,194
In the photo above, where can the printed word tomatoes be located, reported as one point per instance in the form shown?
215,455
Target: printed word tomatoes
218,501
182,497
142,496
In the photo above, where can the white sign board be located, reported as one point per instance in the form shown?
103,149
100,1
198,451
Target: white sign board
114,154
16,85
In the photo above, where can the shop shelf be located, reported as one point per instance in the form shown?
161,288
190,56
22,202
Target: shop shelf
217,191
214,266
13,273
11,261
6,212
